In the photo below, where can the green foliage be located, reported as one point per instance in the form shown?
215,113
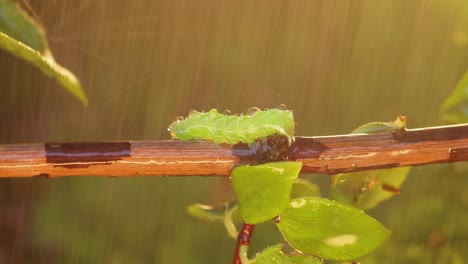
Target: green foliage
277,57
274,255
264,191
366,189
210,213
16,23
206,212
381,127
228,213
25,39
330,229
232,129
314,226
455,107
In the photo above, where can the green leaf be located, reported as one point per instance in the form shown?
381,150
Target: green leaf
264,191
329,229
455,107
366,189
23,38
271,255
206,212
382,127
16,23
210,213
274,255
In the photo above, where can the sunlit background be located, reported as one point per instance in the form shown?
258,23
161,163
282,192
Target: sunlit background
336,64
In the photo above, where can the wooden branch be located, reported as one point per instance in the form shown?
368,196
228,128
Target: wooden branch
328,154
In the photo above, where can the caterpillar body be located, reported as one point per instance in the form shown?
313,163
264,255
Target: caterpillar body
232,129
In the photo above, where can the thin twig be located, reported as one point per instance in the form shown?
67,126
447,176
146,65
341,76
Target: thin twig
328,154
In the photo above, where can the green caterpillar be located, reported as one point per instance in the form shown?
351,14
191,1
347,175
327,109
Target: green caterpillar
232,129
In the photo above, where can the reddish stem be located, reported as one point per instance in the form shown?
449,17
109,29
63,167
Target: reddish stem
243,239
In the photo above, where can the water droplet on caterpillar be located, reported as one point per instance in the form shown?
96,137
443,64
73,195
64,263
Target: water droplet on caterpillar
252,111
281,107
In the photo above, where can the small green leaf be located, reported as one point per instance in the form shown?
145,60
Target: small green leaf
206,212
16,23
46,64
329,229
222,213
264,191
274,255
22,37
271,255
382,127
455,107
366,189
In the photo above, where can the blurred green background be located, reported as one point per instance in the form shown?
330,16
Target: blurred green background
336,64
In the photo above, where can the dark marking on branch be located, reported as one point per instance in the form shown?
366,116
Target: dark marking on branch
459,154
430,134
306,148
83,154
42,175
263,150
